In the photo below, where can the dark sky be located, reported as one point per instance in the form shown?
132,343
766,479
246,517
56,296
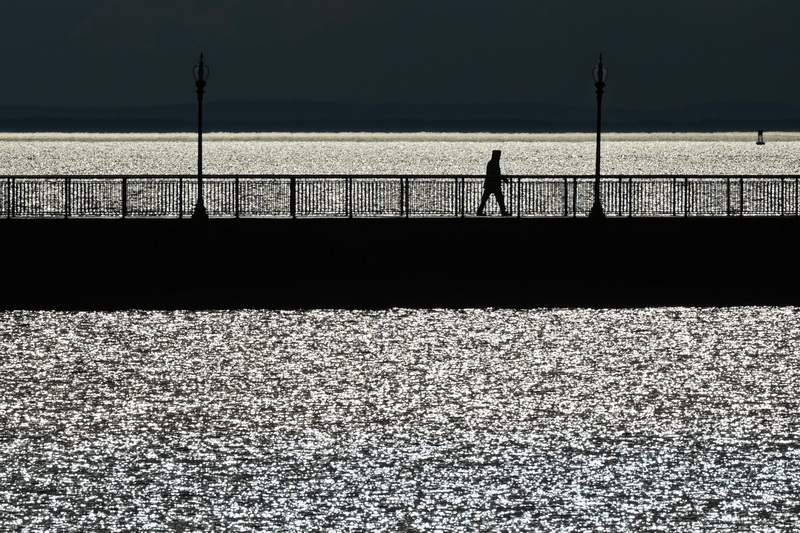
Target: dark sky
660,53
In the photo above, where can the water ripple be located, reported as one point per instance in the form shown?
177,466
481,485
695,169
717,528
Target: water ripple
604,420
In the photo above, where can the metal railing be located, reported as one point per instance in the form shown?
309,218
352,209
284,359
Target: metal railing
393,196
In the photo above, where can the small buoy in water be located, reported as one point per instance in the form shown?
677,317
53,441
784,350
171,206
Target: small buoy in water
760,137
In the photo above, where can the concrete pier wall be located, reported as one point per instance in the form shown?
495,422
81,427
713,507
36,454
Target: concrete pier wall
423,263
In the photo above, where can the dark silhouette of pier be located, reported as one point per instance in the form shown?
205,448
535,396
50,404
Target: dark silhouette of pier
398,262
127,242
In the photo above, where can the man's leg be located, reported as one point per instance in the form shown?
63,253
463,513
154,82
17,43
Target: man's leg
502,203
484,199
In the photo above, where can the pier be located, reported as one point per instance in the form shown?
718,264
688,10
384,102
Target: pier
400,241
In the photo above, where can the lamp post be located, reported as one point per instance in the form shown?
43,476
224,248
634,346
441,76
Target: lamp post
599,75
200,76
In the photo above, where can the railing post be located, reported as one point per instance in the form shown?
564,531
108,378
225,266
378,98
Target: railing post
566,196
236,196
124,197
686,196
349,196
67,184
405,192
783,192
741,197
511,205
674,196
519,197
455,197
630,196
400,196
293,197
728,194
574,197
10,197
463,197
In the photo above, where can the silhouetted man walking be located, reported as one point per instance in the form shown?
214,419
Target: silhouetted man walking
493,184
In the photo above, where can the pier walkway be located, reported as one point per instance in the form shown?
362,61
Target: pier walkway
382,196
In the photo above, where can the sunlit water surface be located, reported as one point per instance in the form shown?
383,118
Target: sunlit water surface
673,419
413,153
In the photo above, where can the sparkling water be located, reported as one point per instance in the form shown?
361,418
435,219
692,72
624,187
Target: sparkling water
446,420
674,419
420,153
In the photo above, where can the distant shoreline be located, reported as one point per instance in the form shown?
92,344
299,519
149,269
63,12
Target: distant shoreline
333,117
421,136
393,128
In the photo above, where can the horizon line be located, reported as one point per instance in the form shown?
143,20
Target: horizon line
420,136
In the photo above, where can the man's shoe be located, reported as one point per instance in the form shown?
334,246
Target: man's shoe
506,213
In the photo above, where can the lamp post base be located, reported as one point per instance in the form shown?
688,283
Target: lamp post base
597,211
200,212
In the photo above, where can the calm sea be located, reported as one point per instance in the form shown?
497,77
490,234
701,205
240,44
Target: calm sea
669,419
